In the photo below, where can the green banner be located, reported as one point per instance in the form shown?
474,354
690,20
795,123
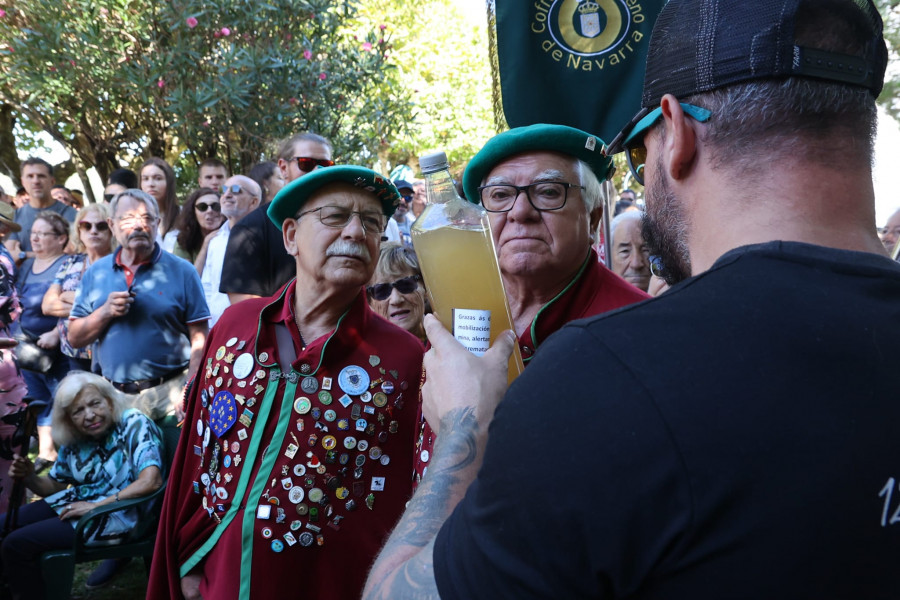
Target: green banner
573,62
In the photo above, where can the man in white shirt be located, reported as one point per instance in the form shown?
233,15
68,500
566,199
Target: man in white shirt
240,195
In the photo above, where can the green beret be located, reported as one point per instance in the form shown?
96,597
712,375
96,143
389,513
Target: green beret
540,137
294,195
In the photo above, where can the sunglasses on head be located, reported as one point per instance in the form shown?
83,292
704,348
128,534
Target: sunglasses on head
636,151
307,163
203,206
99,226
382,291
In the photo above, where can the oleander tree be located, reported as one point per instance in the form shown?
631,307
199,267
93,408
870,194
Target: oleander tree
115,81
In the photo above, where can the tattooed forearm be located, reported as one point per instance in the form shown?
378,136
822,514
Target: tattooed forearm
405,567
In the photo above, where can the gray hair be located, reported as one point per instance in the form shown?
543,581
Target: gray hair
396,260
629,215
593,191
142,197
70,389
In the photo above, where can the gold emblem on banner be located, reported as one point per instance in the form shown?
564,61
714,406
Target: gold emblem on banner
581,29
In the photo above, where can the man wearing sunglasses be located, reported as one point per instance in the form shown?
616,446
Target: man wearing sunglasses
753,452
256,263
312,402
240,195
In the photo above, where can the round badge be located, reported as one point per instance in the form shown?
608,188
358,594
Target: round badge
204,479
387,387
206,437
219,381
235,447
243,365
299,470
306,539
266,532
264,357
227,461
379,399
343,425
296,494
231,342
222,493
329,442
341,493
330,415
325,397
385,460
374,452
302,405
302,509
360,460
309,385
425,455
367,397
220,353
296,524
362,446
353,380
349,442
344,458
199,427
316,495
321,469
260,374
277,545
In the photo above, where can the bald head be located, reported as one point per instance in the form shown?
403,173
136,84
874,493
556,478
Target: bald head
240,195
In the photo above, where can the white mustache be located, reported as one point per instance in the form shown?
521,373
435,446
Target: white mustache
347,248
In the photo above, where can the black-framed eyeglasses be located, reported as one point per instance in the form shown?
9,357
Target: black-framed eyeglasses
233,188
100,226
308,163
203,206
338,217
382,291
543,195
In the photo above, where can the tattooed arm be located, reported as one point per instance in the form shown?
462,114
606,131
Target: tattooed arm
462,407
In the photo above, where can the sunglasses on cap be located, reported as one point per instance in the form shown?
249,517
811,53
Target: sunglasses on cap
215,206
382,291
100,226
307,163
636,152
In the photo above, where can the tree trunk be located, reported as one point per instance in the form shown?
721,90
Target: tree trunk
9,160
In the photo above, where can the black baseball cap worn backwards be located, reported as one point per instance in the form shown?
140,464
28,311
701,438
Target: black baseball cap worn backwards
294,195
541,137
701,45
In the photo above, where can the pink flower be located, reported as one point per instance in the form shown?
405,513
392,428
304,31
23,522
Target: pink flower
161,83
366,46
226,31
322,76
216,33
71,62
381,41
206,123
307,54
2,13
288,37
382,27
191,22
292,101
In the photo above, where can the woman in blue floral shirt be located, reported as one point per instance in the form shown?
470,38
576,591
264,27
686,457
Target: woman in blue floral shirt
106,454
92,240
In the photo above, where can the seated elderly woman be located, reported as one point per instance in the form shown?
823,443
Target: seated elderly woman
106,454
397,290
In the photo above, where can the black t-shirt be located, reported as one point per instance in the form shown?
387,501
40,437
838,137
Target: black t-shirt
733,438
255,259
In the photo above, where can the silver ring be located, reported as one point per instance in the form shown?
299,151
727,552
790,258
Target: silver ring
69,507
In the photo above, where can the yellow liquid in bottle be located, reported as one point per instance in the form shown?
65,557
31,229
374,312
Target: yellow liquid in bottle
463,282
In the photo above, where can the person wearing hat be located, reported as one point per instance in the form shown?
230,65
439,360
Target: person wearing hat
541,187
753,453
299,432
403,217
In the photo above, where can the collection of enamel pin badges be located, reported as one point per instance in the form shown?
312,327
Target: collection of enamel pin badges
331,453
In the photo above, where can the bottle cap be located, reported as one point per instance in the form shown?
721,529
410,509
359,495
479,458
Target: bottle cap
433,162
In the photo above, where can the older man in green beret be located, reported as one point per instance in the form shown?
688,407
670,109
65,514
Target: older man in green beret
541,187
299,435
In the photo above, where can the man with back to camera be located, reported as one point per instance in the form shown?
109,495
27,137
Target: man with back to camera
256,263
753,455
541,187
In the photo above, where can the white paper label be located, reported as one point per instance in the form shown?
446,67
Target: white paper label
472,328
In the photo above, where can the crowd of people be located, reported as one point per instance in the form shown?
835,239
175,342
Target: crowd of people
335,436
